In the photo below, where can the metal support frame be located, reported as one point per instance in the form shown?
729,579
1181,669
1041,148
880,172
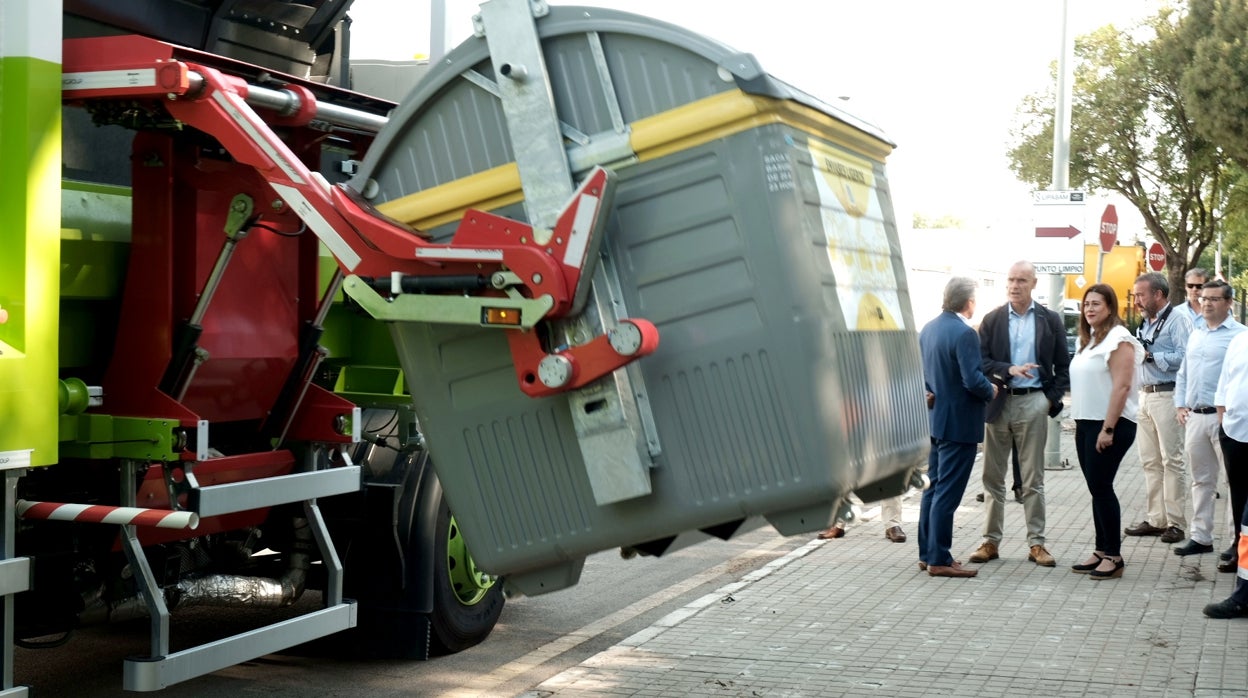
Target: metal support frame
520,68
616,442
162,669
14,578
150,590
153,675
617,437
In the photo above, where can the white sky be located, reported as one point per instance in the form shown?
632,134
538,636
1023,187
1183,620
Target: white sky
941,79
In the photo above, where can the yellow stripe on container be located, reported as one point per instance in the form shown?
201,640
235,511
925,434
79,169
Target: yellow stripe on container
445,203
651,138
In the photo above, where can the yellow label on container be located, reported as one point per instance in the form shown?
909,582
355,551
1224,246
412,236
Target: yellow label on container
857,241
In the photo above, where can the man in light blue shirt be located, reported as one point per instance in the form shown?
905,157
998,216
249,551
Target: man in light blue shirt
1194,390
1024,353
1164,334
1194,279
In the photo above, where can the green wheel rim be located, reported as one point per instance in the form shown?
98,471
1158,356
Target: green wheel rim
469,583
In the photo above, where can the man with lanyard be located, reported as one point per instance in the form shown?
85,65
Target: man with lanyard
1194,280
1164,334
1194,389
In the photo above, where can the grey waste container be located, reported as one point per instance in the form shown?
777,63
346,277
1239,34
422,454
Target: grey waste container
752,224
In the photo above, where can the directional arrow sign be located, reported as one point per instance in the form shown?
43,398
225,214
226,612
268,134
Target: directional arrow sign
1059,218
1068,232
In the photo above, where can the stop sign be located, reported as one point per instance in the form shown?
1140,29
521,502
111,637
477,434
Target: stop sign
1156,257
1109,229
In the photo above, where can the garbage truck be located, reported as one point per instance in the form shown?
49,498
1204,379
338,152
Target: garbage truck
597,282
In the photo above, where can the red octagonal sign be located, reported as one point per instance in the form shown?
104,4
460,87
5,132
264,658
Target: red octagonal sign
1156,257
1109,229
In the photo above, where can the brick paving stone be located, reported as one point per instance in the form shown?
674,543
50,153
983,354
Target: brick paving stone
854,616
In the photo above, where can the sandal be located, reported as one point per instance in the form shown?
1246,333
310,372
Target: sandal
1088,566
1111,574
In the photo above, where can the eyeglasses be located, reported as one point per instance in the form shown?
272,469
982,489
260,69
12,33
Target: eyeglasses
1211,299
1194,285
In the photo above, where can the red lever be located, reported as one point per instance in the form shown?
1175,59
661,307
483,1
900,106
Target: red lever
543,374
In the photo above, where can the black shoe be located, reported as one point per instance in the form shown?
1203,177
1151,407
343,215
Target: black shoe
1018,495
1174,534
1227,566
1116,572
1084,568
979,497
1144,528
1193,548
1227,608
1228,554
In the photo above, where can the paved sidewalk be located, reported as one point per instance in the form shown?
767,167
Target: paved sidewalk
854,616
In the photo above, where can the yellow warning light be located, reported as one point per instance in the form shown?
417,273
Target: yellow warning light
500,316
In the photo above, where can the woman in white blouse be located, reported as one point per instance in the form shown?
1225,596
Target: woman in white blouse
1104,405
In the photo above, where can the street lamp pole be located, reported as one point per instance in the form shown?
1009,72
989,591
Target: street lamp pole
1061,181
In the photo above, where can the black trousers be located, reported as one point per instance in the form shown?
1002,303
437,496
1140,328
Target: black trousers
1099,470
1235,460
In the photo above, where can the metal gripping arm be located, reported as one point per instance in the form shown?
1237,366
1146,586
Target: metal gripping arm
536,273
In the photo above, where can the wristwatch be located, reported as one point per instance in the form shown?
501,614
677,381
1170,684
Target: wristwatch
1108,430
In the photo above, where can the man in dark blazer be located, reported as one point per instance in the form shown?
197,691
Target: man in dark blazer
1025,353
957,393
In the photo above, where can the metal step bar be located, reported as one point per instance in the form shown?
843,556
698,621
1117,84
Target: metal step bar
162,668
154,674
229,498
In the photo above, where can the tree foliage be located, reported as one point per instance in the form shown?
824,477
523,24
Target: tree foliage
1215,87
1214,84
1131,134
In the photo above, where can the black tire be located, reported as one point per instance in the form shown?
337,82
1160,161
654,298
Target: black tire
466,603
419,593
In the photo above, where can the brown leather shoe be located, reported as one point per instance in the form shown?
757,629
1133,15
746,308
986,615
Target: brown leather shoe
923,565
1041,557
987,551
1144,528
895,534
835,531
954,570
1174,534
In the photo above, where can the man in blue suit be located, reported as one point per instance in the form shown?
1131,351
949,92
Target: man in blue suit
958,392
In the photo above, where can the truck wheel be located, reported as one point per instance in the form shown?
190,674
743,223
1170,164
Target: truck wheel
406,563
466,601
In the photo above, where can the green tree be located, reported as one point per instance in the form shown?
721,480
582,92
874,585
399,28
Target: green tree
1214,84
1215,88
1131,135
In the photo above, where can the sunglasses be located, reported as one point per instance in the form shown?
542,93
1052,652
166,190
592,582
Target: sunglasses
1195,285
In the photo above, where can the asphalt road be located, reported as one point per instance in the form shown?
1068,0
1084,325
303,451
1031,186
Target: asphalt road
537,637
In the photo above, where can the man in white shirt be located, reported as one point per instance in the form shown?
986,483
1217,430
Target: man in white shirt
1195,385
1231,399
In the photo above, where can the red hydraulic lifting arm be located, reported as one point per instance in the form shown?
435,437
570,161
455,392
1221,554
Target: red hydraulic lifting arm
527,281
